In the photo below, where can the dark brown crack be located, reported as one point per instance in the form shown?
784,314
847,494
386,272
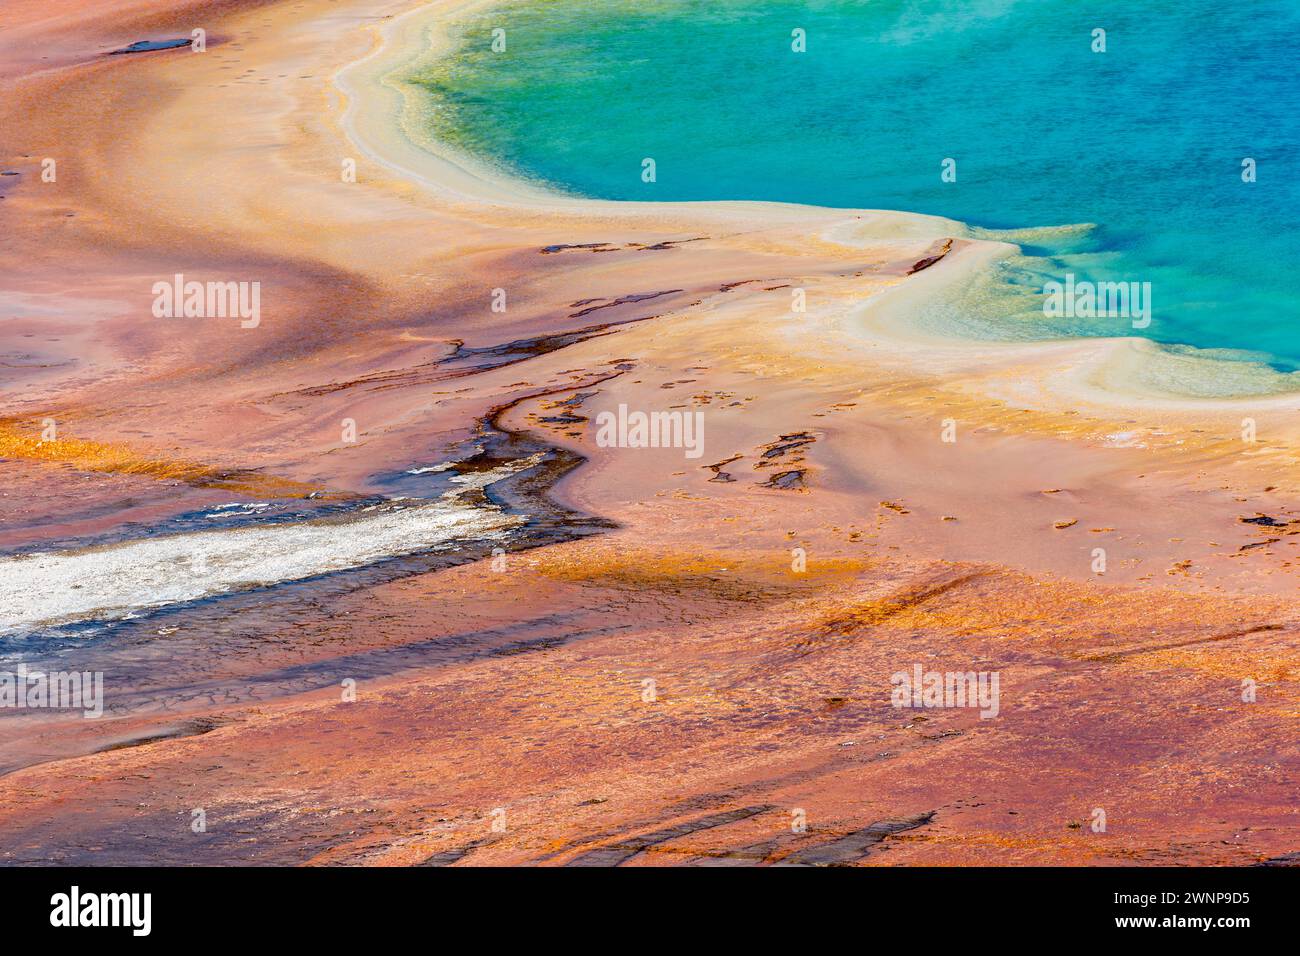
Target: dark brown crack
1264,520
465,361
851,848
876,612
448,857
621,300
718,473
786,480
588,246
930,260
752,855
666,244
1258,544
195,727
148,46
774,455
608,247
620,852
1152,648
786,443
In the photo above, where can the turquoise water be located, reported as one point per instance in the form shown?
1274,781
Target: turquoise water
1140,146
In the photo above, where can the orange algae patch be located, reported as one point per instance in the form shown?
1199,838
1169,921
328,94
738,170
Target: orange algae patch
898,603
82,454
1267,656
1085,623
728,576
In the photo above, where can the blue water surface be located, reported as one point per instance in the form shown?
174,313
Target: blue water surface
1143,142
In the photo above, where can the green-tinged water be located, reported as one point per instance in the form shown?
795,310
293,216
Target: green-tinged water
1139,147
